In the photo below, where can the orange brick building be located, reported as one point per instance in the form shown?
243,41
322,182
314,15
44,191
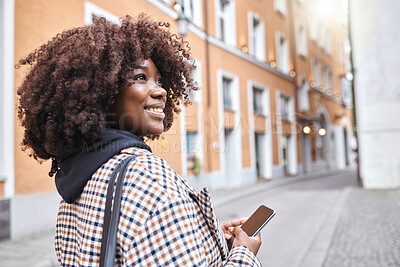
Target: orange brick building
274,102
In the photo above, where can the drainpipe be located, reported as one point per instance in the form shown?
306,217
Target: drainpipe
208,86
294,61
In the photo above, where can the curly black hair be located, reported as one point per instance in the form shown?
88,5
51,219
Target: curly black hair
75,77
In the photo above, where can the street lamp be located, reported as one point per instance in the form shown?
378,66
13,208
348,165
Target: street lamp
306,129
183,22
322,132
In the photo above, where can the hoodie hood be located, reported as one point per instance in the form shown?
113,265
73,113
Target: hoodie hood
77,169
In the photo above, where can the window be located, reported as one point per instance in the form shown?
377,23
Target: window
282,53
341,52
257,100
226,25
322,36
191,142
285,102
304,104
330,79
324,76
315,69
192,11
280,6
195,96
227,91
193,147
346,91
301,40
256,37
285,141
328,41
313,28
92,11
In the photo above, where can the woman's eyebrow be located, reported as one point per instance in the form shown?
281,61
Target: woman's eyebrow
144,68
140,67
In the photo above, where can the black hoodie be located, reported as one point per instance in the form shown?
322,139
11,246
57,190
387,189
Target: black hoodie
77,169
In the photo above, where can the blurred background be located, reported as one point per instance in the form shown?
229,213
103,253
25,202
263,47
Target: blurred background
299,106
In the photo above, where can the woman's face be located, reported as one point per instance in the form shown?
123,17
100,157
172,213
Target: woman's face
139,108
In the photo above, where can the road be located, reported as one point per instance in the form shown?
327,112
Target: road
305,218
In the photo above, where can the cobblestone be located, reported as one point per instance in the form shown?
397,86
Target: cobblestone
368,230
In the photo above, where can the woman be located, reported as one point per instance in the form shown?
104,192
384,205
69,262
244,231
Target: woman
92,95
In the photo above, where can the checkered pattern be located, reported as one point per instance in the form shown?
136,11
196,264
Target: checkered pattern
163,221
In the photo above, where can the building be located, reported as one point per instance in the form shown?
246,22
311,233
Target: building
275,100
377,90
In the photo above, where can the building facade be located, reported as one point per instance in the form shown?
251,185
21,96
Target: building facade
377,90
274,99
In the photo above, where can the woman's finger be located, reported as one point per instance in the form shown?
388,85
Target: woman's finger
234,223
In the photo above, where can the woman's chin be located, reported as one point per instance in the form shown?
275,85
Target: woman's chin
150,132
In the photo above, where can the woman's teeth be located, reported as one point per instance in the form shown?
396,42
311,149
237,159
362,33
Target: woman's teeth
156,110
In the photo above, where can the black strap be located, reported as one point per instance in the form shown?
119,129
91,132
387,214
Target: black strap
111,217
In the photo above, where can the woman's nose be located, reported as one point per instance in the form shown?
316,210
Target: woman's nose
159,92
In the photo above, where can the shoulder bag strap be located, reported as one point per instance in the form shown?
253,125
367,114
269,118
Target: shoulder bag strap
111,217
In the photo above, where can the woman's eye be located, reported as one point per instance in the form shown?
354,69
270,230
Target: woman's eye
160,81
140,77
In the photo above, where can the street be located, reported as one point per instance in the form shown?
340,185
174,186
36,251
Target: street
321,220
327,221
302,210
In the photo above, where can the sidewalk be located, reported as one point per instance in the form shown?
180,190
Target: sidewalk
368,230
34,251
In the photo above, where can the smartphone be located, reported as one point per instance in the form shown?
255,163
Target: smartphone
258,220
255,222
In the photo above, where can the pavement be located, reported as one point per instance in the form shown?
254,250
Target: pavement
323,219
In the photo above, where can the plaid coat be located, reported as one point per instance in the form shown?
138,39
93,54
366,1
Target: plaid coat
163,221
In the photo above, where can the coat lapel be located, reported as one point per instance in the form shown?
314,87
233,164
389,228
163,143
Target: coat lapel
203,199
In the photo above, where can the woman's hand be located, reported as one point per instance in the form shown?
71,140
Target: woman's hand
241,238
227,227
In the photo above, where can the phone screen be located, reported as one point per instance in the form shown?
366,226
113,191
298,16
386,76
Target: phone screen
258,220
255,222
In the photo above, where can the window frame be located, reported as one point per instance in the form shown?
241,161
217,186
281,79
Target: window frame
257,42
313,29
229,33
315,70
285,102
259,98
195,96
227,92
282,53
304,102
197,150
94,10
301,40
280,6
194,14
